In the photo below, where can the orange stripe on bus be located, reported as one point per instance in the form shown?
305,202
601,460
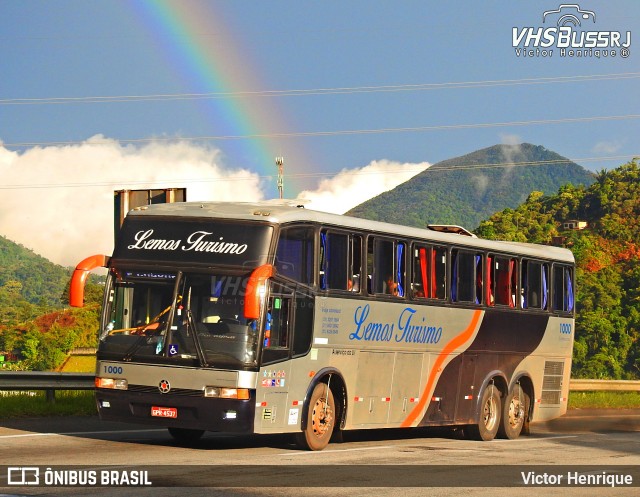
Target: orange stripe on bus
453,344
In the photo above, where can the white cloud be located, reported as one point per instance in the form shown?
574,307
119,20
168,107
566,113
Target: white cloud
351,187
607,147
58,200
510,139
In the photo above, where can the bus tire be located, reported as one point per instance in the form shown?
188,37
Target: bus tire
185,435
320,419
488,422
514,413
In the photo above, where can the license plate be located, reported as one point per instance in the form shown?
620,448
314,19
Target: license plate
164,412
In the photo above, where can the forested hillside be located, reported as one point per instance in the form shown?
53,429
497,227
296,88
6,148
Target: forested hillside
465,190
608,264
37,280
36,331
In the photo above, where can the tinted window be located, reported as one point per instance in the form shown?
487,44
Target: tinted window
340,261
429,272
386,266
563,288
294,256
535,285
502,281
466,277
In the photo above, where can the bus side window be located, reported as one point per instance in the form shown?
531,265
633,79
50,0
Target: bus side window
429,272
562,288
278,321
535,285
465,275
277,335
294,255
334,249
340,261
504,281
385,263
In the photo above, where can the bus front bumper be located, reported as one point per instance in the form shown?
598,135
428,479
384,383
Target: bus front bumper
199,413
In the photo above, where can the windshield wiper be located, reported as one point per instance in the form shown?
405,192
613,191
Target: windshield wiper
161,331
196,340
134,348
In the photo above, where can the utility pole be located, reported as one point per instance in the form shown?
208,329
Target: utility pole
280,164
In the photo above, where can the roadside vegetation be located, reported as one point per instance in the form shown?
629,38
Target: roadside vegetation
35,404
604,400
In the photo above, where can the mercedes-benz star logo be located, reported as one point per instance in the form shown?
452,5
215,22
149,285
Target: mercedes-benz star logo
164,386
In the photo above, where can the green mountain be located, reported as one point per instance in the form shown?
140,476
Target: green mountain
607,255
465,190
32,277
36,332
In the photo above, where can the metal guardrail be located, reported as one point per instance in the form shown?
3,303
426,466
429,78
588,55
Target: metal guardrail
50,382
47,381
604,386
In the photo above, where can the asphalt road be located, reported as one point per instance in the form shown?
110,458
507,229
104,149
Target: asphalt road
372,462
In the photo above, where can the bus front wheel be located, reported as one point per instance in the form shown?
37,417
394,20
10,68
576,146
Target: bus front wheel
490,413
320,419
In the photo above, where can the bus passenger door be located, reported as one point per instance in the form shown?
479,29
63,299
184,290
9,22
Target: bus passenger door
405,392
273,382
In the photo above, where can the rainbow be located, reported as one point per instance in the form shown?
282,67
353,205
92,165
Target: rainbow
202,49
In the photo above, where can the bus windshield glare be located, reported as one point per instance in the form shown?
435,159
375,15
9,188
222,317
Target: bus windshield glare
182,318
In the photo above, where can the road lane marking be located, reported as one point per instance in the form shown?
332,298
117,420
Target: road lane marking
73,433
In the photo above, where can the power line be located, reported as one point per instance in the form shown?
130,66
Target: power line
308,134
316,91
357,172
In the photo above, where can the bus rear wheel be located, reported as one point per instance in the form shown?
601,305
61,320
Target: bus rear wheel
514,412
185,435
489,419
320,419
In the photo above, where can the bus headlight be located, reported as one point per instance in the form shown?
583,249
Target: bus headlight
227,393
112,383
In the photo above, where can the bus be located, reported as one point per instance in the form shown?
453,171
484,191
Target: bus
265,318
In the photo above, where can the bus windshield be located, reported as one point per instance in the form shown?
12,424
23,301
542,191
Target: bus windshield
183,318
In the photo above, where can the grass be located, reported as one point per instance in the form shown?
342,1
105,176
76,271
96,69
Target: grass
604,400
34,404
79,364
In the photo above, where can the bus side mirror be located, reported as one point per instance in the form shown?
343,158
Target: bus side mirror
80,275
256,289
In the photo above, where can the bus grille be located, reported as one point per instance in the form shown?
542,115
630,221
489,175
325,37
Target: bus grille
550,398
178,392
552,383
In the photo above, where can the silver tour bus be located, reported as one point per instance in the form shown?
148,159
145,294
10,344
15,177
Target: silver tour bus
272,318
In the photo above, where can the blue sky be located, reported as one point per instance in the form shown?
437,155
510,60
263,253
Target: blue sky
76,49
